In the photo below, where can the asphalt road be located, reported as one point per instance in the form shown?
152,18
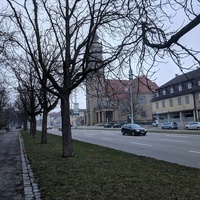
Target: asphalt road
11,185
183,149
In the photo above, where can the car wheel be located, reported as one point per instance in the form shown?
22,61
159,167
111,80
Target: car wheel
186,128
123,133
170,128
198,128
144,134
134,133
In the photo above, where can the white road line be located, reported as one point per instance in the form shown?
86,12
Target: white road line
177,136
149,145
174,140
103,138
194,152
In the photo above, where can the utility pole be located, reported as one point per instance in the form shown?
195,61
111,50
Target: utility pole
131,89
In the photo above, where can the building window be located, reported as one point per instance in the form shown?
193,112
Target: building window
164,92
198,82
157,106
142,100
179,101
187,100
180,88
170,102
189,85
157,94
171,90
199,96
143,115
163,104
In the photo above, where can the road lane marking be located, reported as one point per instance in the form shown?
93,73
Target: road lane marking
174,140
149,145
103,138
178,136
194,152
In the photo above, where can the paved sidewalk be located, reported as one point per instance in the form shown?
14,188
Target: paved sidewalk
16,176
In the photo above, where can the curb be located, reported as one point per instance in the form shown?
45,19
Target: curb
31,190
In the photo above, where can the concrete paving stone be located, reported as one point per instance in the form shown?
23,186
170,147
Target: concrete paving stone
31,189
35,187
31,173
38,197
26,180
25,175
28,197
28,190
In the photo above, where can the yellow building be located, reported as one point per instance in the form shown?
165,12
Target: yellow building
178,100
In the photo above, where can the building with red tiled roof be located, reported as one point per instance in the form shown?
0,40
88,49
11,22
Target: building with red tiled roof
111,103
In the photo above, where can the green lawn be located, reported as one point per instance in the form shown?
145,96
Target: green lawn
96,172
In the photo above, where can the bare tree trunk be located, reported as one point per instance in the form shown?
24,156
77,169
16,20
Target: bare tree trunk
67,149
44,127
25,126
33,126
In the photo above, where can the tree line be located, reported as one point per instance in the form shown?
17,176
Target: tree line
49,46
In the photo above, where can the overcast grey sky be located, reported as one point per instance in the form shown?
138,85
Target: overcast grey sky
165,71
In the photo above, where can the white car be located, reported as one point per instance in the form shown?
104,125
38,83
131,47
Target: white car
193,126
155,123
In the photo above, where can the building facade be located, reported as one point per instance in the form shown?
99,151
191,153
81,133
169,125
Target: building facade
178,100
113,103
109,101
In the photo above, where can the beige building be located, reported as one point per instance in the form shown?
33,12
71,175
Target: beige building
178,100
112,101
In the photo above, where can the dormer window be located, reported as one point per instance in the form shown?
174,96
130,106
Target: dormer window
171,90
164,92
189,85
157,94
180,88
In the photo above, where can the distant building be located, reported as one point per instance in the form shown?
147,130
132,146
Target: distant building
179,99
109,100
111,103
75,118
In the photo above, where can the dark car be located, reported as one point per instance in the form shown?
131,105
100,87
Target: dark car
117,126
170,125
107,125
193,126
18,127
133,129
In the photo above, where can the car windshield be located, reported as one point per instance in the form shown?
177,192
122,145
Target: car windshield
135,126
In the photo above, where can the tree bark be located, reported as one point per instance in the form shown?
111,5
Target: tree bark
33,126
44,127
67,149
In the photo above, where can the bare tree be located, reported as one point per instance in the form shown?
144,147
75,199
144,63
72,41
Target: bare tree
59,35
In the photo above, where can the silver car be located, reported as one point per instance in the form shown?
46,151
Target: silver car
170,125
193,126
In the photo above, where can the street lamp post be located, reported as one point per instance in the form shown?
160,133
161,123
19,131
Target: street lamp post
131,89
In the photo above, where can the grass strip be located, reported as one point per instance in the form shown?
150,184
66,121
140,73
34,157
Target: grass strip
96,172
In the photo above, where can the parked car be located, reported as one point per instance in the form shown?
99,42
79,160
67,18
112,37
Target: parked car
18,127
117,126
193,126
107,125
49,127
155,123
133,129
170,125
